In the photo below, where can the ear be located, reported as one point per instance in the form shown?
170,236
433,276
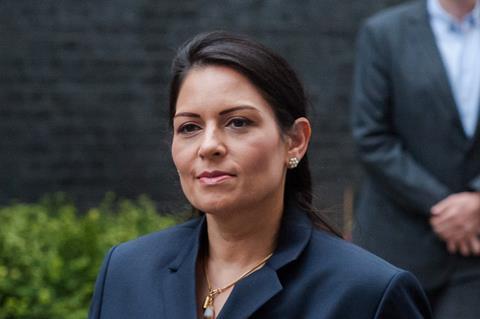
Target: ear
298,138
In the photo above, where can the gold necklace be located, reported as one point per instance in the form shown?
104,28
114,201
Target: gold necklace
209,310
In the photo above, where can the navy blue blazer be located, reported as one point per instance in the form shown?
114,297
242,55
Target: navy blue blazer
310,275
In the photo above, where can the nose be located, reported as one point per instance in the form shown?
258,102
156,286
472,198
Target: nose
212,145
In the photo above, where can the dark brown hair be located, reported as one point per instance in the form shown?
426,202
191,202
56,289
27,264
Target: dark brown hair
274,79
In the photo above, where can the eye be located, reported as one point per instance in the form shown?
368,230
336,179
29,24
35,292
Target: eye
188,128
239,122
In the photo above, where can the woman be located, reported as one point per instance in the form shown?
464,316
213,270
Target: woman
258,249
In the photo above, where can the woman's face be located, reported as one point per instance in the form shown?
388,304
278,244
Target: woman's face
227,146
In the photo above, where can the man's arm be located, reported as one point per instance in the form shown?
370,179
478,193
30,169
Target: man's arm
475,184
380,149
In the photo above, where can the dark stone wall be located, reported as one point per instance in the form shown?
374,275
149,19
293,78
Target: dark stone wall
83,88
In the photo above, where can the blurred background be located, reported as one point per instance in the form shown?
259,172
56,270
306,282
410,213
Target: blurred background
83,91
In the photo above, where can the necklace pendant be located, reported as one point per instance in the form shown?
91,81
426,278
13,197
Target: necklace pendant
209,312
208,301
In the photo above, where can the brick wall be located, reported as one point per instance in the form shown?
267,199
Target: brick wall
83,89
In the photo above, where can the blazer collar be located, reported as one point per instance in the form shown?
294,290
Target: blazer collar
251,292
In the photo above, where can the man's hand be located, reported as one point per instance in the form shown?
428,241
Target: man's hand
467,247
456,220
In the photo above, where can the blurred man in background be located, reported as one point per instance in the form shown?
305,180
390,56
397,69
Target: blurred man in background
415,120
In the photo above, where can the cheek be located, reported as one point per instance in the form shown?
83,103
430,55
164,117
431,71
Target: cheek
183,165
180,155
265,156
175,156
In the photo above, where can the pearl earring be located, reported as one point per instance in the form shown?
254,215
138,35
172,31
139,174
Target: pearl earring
293,162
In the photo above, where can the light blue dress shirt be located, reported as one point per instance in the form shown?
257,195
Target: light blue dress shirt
459,45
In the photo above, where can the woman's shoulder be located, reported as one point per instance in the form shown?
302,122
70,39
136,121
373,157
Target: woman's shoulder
358,279
347,259
162,245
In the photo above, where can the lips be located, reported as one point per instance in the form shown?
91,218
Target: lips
214,177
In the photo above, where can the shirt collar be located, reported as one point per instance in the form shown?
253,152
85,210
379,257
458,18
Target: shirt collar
471,20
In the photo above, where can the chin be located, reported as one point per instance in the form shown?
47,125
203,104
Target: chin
212,202
215,206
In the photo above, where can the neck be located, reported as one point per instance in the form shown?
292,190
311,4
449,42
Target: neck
244,236
458,8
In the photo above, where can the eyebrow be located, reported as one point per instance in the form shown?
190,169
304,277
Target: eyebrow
230,110
186,114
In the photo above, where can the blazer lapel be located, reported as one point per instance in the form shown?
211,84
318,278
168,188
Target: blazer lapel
178,290
251,293
255,290
432,62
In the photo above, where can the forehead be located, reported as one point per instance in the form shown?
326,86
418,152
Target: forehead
211,87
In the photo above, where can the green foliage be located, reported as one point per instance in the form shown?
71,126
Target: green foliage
50,254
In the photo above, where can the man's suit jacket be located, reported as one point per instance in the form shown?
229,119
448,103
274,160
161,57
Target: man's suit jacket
310,275
410,140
